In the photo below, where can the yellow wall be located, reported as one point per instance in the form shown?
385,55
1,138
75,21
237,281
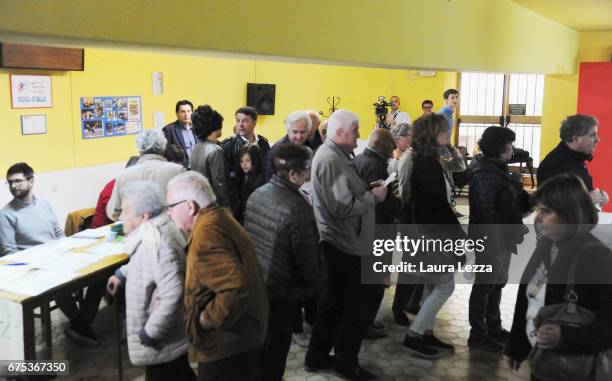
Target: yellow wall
202,78
561,91
477,35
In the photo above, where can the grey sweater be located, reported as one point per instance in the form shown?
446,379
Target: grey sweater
24,225
343,205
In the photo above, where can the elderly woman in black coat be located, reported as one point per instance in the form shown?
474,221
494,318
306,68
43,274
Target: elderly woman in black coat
566,217
497,204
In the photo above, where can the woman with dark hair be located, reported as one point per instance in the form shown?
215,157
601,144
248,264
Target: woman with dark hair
497,204
248,178
566,216
434,216
207,156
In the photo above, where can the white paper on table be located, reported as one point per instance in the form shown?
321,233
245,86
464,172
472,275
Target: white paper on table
70,262
107,249
9,274
39,255
93,233
38,281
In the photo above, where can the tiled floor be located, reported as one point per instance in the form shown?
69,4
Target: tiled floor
386,357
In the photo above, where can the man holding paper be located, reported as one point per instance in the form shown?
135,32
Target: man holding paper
27,221
372,167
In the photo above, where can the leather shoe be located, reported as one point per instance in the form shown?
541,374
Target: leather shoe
328,363
356,373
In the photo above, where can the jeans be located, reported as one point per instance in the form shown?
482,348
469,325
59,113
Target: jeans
484,308
443,287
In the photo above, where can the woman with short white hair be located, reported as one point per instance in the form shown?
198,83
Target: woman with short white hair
154,282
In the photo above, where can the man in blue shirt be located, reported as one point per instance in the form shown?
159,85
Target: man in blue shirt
451,98
180,133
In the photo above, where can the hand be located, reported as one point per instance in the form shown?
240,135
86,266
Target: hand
599,197
203,323
604,197
380,192
113,285
513,364
548,336
397,153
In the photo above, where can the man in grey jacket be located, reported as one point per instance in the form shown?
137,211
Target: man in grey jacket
344,210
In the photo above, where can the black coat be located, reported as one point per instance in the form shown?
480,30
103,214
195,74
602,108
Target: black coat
174,135
563,159
495,199
241,188
284,232
433,215
593,286
371,166
231,150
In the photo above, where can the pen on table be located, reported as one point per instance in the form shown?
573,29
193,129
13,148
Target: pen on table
15,264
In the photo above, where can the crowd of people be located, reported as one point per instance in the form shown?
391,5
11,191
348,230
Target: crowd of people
236,245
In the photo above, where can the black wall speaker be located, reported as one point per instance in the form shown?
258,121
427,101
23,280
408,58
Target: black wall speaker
261,96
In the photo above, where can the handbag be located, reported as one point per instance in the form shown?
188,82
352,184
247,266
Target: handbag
559,364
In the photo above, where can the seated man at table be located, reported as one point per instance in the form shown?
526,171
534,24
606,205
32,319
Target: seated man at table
27,221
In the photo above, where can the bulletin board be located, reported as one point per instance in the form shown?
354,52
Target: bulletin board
103,117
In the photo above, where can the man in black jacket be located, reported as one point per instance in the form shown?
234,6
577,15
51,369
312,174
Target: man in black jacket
372,166
578,141
180,133
284,231
246,119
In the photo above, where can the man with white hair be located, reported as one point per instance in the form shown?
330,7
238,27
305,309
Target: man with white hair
151,166
344,210
297,125
226,307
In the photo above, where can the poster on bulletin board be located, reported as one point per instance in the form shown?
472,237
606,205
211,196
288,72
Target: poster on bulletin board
110,116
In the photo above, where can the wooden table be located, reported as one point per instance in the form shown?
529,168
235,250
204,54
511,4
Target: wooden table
17,330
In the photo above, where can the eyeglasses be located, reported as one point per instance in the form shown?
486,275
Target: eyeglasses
16,181
170,206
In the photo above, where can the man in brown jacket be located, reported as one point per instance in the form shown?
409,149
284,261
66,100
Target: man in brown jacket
226,307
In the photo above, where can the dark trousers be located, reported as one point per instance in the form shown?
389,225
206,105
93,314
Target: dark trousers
484,308
87,310
337,322
308,315
278,340
243,367
177,369
408,297
371,298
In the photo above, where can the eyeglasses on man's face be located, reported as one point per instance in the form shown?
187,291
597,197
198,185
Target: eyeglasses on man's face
170,206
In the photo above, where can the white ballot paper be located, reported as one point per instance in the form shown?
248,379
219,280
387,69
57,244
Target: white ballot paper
38,281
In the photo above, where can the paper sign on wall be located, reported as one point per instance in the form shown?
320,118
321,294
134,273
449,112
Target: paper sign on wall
31,91
110,116
33,124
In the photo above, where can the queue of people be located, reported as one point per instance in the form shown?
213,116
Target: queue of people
227,242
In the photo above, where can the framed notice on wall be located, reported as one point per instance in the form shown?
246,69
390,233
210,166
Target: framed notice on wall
110,116
31,91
